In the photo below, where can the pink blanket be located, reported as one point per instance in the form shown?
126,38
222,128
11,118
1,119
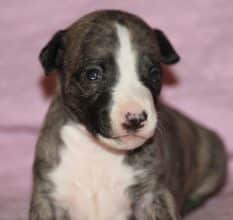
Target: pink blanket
202,32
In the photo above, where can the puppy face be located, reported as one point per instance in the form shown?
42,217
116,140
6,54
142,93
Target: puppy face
110,75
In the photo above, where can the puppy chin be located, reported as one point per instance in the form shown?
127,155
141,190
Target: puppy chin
124,143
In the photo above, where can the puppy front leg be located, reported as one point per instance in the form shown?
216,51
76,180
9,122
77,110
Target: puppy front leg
158,206
43,208
42,205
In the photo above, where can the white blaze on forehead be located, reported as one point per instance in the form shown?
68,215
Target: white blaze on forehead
129,93
128,85
126,55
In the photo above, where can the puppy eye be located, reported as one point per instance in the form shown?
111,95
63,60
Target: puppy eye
94,73
155,73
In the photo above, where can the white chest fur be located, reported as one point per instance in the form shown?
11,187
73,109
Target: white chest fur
90,181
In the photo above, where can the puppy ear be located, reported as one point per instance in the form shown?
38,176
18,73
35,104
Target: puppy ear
52,54
167,52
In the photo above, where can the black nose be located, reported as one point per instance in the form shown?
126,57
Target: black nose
134,121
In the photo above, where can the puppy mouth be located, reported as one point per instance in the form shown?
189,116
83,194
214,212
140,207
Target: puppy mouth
131,141
122,136
128,135
124,142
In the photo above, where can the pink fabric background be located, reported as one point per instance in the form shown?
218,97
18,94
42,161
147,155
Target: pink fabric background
202,32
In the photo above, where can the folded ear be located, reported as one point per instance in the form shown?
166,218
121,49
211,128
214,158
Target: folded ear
51,56
167,52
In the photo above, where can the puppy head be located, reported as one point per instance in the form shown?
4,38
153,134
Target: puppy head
110,75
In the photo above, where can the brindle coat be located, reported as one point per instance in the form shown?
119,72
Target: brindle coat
183,163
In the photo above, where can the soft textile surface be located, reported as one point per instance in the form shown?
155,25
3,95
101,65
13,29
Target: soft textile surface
202,32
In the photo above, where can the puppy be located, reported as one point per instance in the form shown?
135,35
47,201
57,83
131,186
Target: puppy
109,149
